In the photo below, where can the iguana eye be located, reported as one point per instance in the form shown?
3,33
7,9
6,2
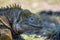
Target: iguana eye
31,19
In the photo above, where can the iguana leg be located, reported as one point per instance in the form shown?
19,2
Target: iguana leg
5,34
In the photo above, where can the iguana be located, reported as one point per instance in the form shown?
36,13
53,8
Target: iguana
18,20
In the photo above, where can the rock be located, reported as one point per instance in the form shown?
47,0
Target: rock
5,34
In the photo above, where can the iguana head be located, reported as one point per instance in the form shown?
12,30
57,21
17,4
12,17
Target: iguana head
27,21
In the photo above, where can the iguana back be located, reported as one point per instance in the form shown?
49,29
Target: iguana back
9,15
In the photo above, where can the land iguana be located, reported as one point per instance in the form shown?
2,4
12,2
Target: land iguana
18,20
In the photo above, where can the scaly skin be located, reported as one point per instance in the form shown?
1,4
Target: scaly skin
18,20
8,16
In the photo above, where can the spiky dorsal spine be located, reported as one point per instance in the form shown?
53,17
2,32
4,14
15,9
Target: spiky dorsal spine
12,6
15,6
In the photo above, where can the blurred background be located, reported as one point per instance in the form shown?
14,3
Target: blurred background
34,5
